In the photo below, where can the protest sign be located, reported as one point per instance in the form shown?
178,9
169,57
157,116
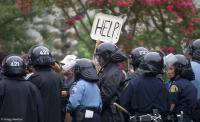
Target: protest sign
106,28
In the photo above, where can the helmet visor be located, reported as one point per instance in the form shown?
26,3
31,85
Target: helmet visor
169,60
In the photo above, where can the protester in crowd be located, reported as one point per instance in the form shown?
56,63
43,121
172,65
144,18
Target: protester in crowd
30,68
147,92
47,81
110,79
67,63
85,102
20,100
183,94
56,67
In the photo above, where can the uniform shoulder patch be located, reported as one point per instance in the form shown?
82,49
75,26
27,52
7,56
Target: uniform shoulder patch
74,89
173,88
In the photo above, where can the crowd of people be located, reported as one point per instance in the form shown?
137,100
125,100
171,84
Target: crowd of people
36,88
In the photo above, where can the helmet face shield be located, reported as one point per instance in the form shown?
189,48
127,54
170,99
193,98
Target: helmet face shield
169,60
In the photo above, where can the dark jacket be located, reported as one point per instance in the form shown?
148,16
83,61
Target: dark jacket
144,94
135,74
184,97
109,84
48,83
20,100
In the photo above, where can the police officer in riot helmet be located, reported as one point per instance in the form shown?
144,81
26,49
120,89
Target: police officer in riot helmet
85,102
183,94
20,100
194,51
147,93
136,57
108,56
47,81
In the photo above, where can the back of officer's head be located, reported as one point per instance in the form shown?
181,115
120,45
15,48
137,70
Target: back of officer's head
136,56
183,68
13,65
152,64
194,49
85,69
40,56
110,52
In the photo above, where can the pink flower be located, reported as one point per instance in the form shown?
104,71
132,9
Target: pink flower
91,2
118,3
191,24
109,1
78,17
171,50
27,9
100,2
130,36
195,20
177,19
19,3
124,3
189,30
170,8
68,21
125,42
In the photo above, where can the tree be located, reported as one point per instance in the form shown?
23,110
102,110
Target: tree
13,15
149,23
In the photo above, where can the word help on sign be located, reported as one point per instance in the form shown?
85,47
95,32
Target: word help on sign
106,28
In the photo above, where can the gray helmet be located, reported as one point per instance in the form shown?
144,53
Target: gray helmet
152,64
85,69
13,66
40,56
137,55
110,52
194,49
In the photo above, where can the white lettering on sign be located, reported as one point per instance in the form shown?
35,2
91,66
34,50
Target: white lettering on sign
106,28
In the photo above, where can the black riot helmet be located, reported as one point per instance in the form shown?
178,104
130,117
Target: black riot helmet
194,49
152,64
13,65
110,53
85,69
40,56
136,56
183,68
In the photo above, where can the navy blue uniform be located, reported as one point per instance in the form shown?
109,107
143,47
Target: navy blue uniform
184,95
144,94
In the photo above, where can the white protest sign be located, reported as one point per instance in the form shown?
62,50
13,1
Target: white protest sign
106,28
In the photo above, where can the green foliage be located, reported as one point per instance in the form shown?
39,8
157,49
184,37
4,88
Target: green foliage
13,37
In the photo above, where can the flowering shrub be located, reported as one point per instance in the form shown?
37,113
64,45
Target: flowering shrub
24,5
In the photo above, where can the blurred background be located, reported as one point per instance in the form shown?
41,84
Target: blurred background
64,25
